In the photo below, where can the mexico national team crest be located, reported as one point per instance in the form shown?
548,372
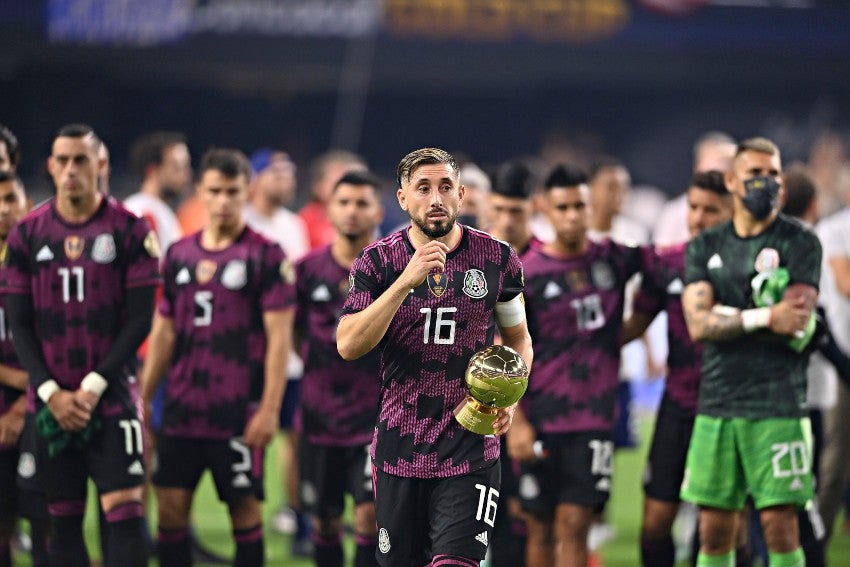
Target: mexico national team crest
767,260
474,283
74,246
437,283
235,275
103,249
205,270
602,275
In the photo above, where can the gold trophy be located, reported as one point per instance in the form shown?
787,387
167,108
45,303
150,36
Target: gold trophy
496,377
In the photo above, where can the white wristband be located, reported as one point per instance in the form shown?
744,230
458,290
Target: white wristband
755,319
46,390
94,383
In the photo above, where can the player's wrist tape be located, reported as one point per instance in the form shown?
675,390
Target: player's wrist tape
46,390
755,319
94,383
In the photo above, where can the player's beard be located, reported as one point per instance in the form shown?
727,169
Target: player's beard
439,229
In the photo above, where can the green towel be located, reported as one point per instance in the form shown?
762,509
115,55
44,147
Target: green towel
59,440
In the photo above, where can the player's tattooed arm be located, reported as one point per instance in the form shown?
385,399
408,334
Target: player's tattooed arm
705,321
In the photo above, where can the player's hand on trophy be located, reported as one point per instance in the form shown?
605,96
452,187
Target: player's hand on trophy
428,258
504,419
68,413
261,428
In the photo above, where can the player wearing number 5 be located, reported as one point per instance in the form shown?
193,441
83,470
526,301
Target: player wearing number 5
575,291
750,286
224,324
424,296
80,278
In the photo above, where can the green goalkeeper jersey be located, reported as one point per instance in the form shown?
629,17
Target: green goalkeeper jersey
757,375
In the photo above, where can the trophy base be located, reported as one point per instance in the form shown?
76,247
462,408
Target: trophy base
475,416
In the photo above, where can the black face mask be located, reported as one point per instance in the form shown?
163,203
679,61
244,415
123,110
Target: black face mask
761,197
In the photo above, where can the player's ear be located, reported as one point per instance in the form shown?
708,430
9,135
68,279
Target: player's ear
51,164
402,201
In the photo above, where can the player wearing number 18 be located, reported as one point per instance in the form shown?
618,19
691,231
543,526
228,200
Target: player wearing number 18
80,278
425,297
224,324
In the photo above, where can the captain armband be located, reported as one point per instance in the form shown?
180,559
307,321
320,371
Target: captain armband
510,313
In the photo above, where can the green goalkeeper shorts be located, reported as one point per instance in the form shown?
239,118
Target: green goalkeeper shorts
731,457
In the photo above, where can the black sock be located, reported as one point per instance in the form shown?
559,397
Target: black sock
249,547
39,530
658,553
365,554
67,547
743,557
173,547
327,550
126,544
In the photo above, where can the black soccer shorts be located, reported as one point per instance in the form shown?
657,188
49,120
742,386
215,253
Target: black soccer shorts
327,473
665,465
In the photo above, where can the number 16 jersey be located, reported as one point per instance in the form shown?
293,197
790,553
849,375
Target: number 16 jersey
427,346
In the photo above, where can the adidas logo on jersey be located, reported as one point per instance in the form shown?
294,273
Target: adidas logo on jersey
714,263
482,537
241,481
552,290
321,293
183,277
44,254
603,484
136,469
676,287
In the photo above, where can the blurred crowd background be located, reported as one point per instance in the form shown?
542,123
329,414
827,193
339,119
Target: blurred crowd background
490,80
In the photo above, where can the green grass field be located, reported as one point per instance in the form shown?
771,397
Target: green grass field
624,512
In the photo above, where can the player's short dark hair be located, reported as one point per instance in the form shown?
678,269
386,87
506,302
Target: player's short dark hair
149,148
424,156
800,191
357,177
13,148
711,180
757,144
565,175
79,130
604,162
229,161
513,179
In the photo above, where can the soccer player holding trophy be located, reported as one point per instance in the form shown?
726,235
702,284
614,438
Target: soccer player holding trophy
425,296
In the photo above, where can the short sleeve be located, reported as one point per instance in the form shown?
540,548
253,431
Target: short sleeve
513,280
804,260
165,305
695,261
364,284
143,254
277,277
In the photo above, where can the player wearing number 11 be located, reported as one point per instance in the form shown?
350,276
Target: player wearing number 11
224,324
425,297
80,278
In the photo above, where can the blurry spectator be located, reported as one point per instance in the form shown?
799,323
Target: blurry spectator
325,171
10,151
474,209
712,150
